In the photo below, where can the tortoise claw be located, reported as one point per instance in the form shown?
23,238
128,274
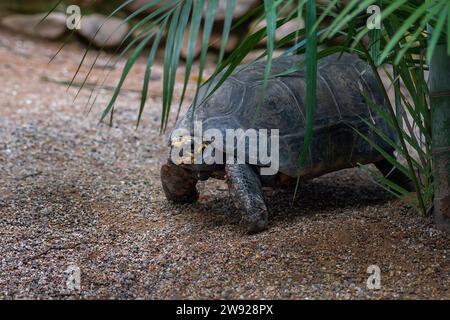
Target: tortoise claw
257,226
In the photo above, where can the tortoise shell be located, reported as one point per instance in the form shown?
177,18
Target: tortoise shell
343,84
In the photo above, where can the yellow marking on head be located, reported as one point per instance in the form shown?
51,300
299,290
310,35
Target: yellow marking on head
180,141
188,157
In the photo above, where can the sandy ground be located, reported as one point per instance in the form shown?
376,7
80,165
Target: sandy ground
73,193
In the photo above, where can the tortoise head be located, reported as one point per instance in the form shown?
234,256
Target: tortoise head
186,151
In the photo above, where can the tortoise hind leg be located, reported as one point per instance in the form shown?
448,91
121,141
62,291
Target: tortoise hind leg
246,193
179,185
393,174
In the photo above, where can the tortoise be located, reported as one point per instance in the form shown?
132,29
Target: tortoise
340,126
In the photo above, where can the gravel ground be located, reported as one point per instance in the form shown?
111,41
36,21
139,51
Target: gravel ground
75,193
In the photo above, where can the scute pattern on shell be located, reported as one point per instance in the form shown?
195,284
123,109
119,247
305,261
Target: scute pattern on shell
341,107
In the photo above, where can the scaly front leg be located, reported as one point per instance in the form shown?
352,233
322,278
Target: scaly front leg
246,193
